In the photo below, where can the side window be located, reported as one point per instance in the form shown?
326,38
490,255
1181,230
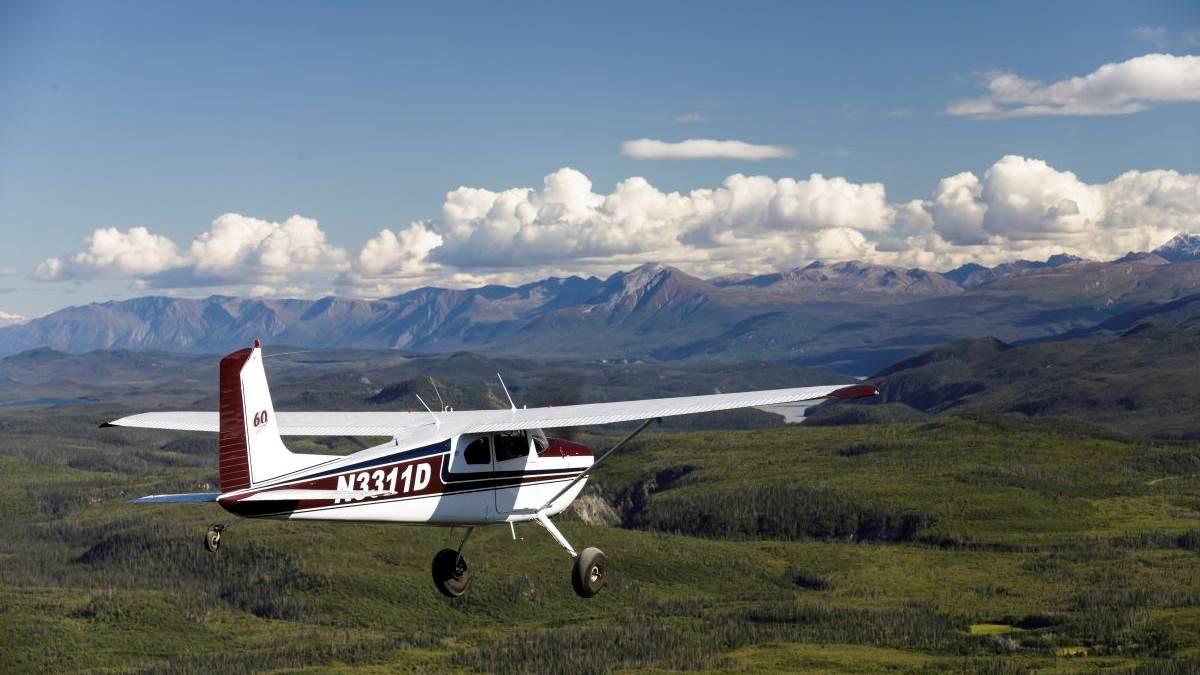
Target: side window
510,445
478,452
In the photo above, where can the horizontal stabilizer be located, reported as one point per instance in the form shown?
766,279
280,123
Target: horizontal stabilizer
300,495
187,498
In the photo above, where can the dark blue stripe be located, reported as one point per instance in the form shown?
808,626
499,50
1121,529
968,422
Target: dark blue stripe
416,453
451,477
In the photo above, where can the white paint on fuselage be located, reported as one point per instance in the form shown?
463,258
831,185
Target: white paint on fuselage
468,507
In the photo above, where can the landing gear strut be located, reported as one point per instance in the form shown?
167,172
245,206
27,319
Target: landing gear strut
450,573
589,574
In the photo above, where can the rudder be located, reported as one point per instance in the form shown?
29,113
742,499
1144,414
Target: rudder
250,449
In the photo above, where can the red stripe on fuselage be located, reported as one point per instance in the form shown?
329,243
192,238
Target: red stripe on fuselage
560,447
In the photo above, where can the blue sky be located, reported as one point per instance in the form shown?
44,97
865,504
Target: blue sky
363,116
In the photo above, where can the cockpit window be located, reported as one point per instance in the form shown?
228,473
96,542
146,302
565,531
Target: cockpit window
540,442
478,451
510,445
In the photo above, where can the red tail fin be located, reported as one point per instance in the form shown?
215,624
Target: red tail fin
251,450
234,459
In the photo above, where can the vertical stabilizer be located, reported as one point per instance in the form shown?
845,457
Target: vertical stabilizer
251,450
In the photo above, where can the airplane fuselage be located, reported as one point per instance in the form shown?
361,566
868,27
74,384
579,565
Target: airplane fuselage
463,480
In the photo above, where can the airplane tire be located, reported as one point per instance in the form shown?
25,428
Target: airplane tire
212,540
590,573
450,573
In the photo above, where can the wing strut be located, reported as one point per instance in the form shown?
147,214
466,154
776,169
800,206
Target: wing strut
598,460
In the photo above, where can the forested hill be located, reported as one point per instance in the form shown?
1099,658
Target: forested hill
1139,383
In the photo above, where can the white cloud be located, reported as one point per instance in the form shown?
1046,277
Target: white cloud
113,253
1018,207
691,118
1113,89
7,319
236,249
1026,208
567,221
7,272
399,253
1155,35
957,209
702,148
262,291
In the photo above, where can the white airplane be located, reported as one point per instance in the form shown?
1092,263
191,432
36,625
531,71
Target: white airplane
451,468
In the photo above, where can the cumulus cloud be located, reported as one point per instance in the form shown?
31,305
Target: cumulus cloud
399,253
568,221
1019,207
113,253
236,249
1023,207
702,148
1112,89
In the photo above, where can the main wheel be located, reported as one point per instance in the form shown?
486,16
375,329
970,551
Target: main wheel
590,573
450,573
212,540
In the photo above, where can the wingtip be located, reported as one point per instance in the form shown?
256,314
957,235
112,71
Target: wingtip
855,391
107,425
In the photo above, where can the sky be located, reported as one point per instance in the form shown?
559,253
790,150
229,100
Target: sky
364,149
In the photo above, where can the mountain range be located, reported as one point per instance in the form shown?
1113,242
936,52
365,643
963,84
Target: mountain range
852,316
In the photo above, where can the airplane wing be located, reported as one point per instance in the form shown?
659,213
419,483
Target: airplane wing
484,421
590,414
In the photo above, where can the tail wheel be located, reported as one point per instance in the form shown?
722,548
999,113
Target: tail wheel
450,573
212,540
590,573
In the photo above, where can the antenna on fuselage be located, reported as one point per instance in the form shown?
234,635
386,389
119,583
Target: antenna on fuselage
435,417
433,383
505,388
